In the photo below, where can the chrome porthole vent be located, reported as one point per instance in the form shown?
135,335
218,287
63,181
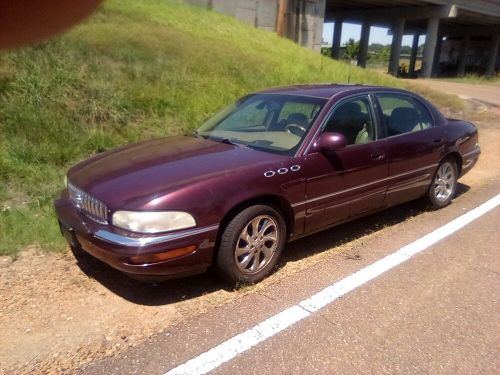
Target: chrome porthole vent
283,170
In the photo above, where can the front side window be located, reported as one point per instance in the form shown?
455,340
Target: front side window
403,114
268,122
353,119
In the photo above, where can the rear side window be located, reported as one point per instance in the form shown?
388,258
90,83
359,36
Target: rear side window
403,114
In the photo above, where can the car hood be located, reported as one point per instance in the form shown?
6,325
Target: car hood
135,174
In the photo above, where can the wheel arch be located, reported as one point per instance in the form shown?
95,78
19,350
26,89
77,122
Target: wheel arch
278,202
457,158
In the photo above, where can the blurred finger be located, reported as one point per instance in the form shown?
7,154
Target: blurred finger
25,22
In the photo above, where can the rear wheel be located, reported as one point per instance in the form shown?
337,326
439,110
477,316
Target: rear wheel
251,244
444,184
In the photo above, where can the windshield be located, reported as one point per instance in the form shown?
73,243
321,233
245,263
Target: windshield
269,122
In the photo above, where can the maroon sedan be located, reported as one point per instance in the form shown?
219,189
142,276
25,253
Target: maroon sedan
273,167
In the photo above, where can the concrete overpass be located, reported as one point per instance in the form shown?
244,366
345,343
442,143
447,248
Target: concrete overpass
461,21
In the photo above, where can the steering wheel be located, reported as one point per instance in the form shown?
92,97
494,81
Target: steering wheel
295,129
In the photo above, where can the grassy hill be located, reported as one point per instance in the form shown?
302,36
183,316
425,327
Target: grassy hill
136,70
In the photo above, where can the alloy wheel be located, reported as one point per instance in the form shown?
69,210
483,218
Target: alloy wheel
444,182
256,244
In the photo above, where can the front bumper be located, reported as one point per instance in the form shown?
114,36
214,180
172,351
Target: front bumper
117,248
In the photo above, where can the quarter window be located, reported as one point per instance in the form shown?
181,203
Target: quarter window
403,114
353,119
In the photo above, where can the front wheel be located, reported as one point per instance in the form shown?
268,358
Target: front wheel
444,184
251,244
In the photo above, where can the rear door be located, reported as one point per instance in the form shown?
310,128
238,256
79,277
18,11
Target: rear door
351,181
414,145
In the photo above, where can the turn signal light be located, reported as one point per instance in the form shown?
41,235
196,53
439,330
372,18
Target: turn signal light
161,257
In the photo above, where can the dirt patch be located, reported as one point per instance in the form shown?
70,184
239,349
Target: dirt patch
55,317
58,314
488,94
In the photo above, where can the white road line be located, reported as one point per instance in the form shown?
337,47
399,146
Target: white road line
242,342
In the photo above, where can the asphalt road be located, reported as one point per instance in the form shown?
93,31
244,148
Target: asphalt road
438,312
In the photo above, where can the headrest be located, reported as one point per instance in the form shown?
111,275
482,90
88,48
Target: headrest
348,111
297,118
403,119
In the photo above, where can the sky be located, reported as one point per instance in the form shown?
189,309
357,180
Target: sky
349,30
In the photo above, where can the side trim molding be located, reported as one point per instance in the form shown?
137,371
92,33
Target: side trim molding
365,185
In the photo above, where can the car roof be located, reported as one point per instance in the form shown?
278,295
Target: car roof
322,90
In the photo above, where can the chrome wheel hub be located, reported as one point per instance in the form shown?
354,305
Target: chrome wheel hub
256,244
444,182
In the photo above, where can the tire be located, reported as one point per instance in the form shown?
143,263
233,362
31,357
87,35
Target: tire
444,184
245,256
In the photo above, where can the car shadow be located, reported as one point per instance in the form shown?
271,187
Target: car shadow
147,293
352,230
176,290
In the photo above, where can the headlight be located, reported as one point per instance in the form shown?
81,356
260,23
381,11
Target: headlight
153,221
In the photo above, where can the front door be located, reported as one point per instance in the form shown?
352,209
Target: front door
350,181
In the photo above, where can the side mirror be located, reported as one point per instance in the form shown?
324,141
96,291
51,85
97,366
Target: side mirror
328,142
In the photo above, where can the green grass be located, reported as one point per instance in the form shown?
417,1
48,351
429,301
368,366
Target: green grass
136,70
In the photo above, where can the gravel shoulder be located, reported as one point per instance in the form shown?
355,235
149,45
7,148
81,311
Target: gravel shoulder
58,314
487,94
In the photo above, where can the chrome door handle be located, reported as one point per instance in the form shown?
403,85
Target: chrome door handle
378,155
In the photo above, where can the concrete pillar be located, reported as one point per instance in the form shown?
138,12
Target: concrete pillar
492,58
363,44
413,55
462,58
281,17
337,34
397,38
430,47
437,56
319,21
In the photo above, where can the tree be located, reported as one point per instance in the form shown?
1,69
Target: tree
326,51
351,49
379,52
405,50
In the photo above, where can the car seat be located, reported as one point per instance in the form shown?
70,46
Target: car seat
403,120
347,120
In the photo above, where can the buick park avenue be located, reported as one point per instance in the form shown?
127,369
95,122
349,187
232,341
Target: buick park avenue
273,167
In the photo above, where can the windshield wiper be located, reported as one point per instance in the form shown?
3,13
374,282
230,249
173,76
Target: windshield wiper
229,141
198,135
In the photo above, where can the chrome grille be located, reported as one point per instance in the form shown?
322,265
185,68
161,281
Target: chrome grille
89,205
